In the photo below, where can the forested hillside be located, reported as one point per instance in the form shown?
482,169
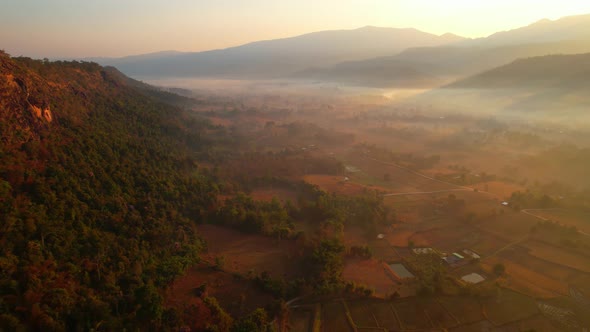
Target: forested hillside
99,195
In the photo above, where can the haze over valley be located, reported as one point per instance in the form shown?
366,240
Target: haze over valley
354,166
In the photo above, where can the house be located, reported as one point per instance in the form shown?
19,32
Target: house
473,278
399,271
471,254
458,255
421,251
505,203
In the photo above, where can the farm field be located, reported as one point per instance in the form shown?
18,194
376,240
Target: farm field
502,190
243,253
558,256
412,314
465,310
369,272
509,225
301,319
527,281
580,220
334,317
509,306
236,295
385,315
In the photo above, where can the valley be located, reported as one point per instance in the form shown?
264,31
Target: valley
444,200
291,166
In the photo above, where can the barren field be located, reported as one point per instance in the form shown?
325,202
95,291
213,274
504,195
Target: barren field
509,306
412,314
509,225
446,239
558,255
300,319
537,323
370,273
334,317
464,309
525,280
385,315
237,296
399,237
502,189
246,252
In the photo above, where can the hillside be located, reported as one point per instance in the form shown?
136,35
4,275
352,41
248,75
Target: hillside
551,71
97,198
276,58
433,66
550,87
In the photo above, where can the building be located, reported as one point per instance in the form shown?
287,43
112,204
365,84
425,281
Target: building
473,278
421,251
400,271
471,254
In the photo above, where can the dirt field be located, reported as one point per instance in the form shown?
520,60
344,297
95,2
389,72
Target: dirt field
464,309
509,306
334,317
399,237
525,280
411,314
502,189
509,225
558,255
237,296
446,239
246,252
370,273
361,314
536,323
385,315
300,319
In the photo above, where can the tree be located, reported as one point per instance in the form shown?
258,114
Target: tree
257,321
499,269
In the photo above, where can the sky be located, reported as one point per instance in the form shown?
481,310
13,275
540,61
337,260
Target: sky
113,28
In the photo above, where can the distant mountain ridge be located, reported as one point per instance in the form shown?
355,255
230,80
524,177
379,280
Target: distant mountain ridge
280,57
555,86
434,66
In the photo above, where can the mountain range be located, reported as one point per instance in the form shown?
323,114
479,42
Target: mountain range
433,66
369,56
281,57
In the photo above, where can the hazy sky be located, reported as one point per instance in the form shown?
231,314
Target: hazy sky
83,28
